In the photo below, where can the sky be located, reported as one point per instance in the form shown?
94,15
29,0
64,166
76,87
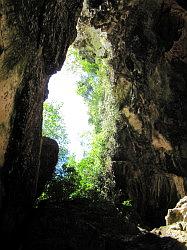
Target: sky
62,88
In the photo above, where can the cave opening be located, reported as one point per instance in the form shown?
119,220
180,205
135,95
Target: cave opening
80,114
65,112
129,163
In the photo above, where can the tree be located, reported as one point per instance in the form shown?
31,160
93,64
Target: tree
65,181
92,175
94,170
54,127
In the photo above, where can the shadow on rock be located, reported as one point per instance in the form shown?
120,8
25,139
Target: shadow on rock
85,225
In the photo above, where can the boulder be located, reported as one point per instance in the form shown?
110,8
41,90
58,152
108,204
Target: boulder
178,214
176,224
48,161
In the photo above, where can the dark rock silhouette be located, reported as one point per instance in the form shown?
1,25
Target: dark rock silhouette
35,36
48,161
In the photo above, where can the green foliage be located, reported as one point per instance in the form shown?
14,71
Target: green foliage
94,171
91,176
127,203
62,187
54,127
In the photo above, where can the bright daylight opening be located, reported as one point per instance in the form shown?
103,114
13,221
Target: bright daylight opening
80,114
63,90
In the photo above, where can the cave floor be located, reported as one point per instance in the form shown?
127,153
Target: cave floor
175,231
81,224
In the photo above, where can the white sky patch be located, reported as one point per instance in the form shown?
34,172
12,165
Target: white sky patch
62,88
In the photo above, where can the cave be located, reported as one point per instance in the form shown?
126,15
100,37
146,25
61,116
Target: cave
148,59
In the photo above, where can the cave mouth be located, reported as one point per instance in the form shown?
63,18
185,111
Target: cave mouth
93,53
85,124
72,121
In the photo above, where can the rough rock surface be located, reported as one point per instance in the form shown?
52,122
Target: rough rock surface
176,223
150,70
34,38
179,213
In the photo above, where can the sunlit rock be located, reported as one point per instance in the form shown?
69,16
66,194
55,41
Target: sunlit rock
178,214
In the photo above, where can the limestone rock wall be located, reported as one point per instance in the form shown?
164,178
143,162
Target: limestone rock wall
149,60
34,38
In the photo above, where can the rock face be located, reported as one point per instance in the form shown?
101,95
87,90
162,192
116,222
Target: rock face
178,214
34,39
149,61
176,223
